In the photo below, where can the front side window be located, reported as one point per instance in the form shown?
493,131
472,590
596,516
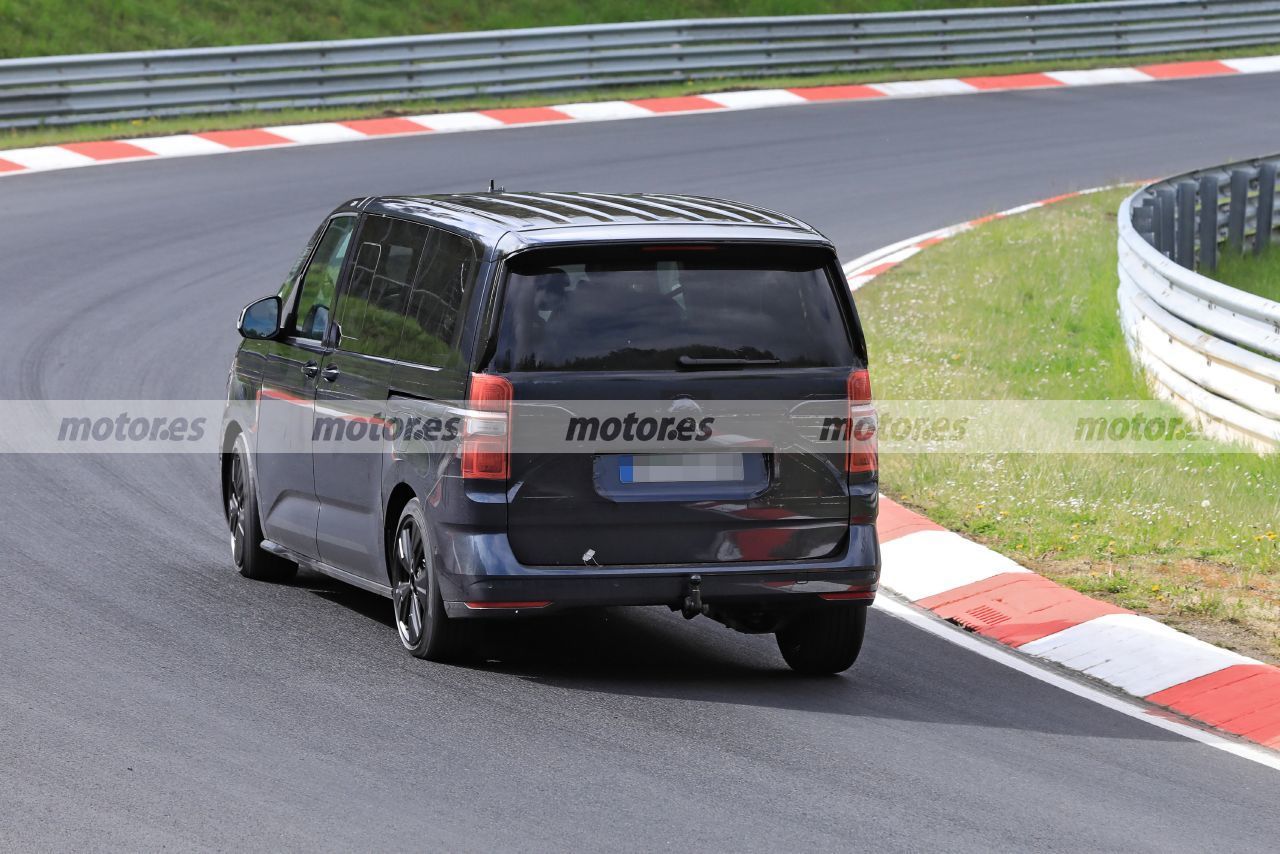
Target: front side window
320,282
371,309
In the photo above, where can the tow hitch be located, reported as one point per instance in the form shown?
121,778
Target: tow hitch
693,599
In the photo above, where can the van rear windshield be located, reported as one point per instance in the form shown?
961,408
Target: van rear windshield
644,308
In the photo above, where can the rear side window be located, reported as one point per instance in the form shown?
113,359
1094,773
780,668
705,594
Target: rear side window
371,309
643,308
444,277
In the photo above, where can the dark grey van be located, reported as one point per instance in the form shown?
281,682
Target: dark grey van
376,426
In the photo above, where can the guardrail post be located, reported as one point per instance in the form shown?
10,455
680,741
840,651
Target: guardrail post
1144,221
1209,220
1184,247
1266,205
1238,211
1164,229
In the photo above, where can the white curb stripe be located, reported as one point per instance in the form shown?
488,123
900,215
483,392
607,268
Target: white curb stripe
179,145
320,132
1133,653
755,99
45,157
1100,76
600,111
450,122
1253,64
925,88
930,562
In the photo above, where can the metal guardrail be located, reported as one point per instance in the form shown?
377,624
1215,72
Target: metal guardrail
96,87
1209,347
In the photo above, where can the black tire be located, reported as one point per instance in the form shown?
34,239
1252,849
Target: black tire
824,640
241,509
421,622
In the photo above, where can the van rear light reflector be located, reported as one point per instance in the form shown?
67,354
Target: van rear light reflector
486,431
863,455
866,595
503,606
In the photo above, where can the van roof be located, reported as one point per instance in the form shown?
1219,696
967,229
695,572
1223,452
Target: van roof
547,217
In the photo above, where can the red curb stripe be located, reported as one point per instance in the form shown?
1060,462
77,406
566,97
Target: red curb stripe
382,127
837,93
878,269
1012,81
526,115
1215,696
983,220
932,241
896,521
107,150
1174,70
1015,608
244,138
9,166
1053,199
677,104
1243,699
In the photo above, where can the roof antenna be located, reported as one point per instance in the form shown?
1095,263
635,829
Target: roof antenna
493,187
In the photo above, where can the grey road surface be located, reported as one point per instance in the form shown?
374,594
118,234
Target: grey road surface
150,697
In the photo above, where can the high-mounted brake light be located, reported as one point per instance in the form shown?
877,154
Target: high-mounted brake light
486,431
863,455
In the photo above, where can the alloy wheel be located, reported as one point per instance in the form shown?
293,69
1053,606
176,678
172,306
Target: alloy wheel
235,510
412,583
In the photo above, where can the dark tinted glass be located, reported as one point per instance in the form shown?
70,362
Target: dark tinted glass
320,281
447,271
643,309
371,309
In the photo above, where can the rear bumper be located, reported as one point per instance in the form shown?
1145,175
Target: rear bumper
480,577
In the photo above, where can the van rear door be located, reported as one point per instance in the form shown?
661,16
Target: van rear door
633,368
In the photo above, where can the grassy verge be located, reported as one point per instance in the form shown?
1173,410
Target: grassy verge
1260,275
1025,308
22,138
51,27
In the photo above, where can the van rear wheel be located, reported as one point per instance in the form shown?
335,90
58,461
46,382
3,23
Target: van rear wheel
424,627
824,640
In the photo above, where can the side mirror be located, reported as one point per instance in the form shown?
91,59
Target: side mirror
261,320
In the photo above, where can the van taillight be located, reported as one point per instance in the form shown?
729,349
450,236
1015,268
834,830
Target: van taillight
863,454
486,431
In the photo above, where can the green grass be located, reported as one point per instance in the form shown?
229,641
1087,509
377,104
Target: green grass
1025,308
1258,275
194,124
48,27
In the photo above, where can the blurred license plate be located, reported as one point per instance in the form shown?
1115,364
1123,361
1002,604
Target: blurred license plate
680,468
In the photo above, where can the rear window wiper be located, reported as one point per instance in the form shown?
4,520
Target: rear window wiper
701,364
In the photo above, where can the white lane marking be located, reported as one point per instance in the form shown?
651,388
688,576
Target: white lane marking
45,157
449,122
1100,76
319,132
1253,64
924,88
179,145
755,98
929,562
1134,653
599,111
1014,661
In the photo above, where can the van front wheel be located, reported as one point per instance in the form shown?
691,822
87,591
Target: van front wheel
824,640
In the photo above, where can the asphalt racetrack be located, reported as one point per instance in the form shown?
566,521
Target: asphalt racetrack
150,696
